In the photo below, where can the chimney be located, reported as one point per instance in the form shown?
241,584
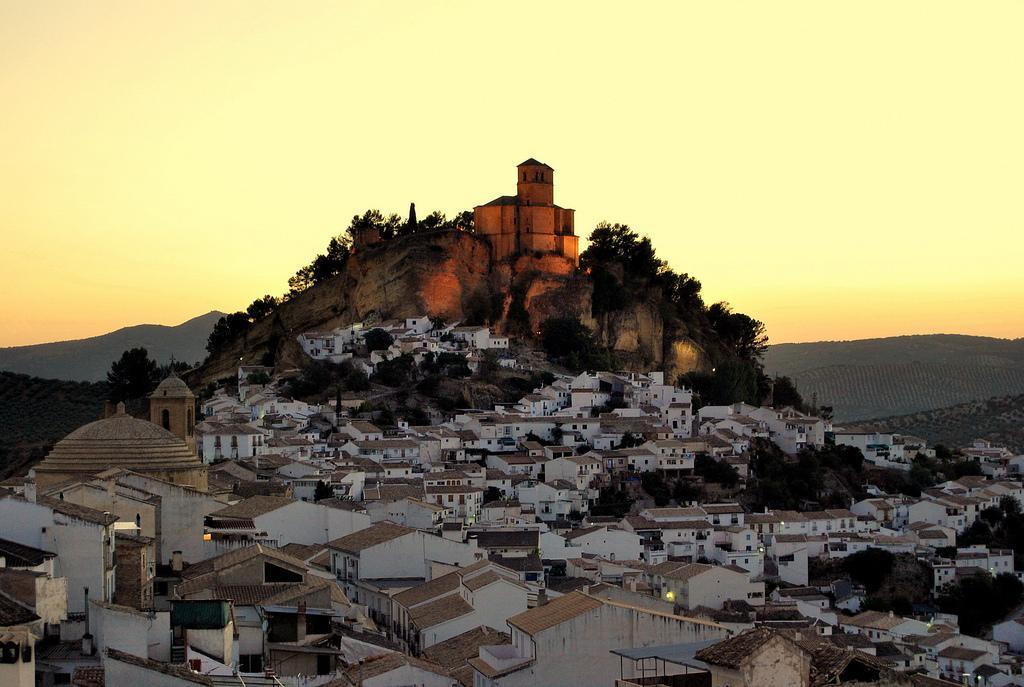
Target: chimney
632,583
176,563
542,597
88,648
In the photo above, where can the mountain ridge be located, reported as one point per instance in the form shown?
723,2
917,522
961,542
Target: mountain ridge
88,359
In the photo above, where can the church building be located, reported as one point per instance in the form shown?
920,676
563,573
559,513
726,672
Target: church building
528,221
163,447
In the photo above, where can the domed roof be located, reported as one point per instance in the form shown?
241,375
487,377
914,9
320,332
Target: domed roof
120,428
172,387
119,441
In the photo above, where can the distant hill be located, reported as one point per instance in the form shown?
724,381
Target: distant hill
35,412
873,378
1000,420
89,359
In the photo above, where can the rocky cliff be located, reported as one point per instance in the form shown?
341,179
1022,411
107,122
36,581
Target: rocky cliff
450,274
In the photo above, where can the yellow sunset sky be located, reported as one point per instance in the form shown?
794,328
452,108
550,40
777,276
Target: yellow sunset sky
836,169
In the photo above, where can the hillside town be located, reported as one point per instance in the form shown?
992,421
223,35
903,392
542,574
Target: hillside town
599,530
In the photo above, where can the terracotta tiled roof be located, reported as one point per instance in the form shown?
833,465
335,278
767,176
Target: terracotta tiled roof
371,536
554,612
445,584
13,613
380,665
21,556
684,572
482,580
961,653
730,653
74,510
876,620
454,654
253,506
237,556
439,611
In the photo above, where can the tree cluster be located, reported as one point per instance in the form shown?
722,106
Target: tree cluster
998,528
332,261
624,267
981,600
236,324
319,377
715,471
571,343
780,481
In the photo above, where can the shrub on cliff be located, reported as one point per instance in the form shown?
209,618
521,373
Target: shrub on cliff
570,342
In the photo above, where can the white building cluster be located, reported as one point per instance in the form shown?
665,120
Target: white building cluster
480,550
416,336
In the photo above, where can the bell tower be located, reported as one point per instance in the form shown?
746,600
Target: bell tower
535,184
172,405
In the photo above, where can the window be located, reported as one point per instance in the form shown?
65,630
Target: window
165,419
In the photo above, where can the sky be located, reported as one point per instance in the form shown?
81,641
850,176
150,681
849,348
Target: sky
838,170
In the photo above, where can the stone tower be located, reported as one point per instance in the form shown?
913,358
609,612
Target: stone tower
536,185
172,405
528,222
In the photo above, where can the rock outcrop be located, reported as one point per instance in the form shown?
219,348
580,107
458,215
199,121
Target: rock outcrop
451,274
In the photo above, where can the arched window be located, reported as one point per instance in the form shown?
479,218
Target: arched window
165,419
191,422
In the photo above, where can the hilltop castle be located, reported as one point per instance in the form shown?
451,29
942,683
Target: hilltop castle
528,221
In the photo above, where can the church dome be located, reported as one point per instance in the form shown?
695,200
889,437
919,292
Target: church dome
120,441
172,387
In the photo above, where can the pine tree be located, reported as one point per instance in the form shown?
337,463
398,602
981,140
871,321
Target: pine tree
412,224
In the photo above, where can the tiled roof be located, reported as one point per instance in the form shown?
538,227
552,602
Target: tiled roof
684,572
876,620
531,562
21,556
439,611
301,551
730,653
380,665
237,556
582,532
88,676
961,653
554,612
13,613
454,654
177,671
444,584
507,538
253,506
371,536
74,510
482,580
250,594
